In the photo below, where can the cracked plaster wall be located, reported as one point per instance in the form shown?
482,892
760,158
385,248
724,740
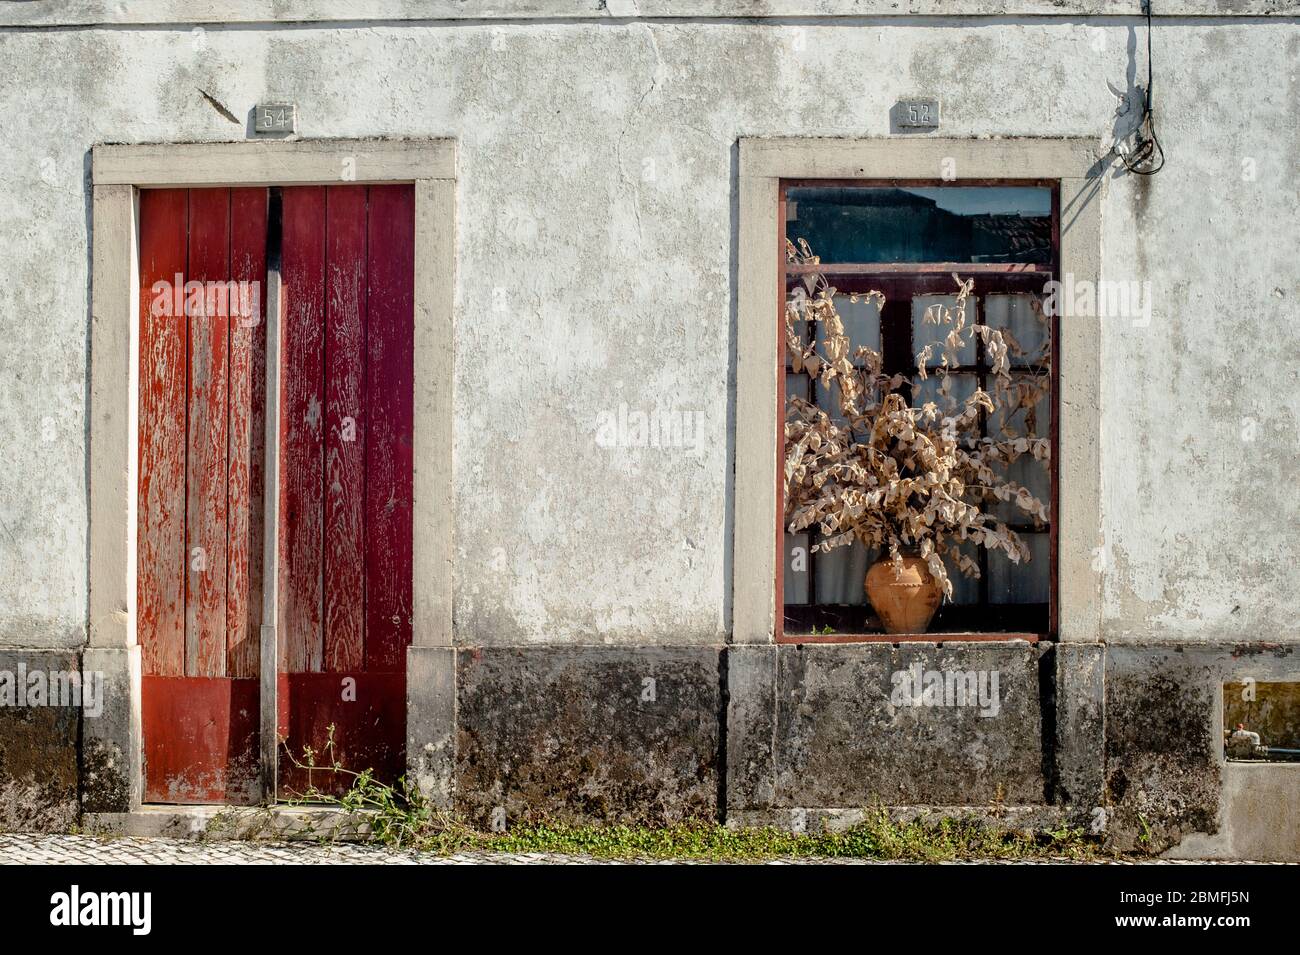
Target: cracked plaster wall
596,254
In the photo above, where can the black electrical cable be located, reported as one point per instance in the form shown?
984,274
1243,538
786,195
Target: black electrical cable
1146,147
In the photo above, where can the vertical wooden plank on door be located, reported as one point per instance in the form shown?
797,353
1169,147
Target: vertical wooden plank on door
247,431
205,483
345,342
160,581
301,422
390,354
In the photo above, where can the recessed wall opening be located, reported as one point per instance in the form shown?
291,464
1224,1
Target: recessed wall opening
270,488
1261,722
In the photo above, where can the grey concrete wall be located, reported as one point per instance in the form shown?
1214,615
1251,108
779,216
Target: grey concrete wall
596,253
591,734
1261,803
1168,787
826,727
39,735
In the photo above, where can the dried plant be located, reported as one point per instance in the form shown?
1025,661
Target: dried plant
898,478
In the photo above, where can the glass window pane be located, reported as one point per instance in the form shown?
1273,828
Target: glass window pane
1016,422
926,331
800,325
1028,473
1021,583
1035,475
842,574
796,385
961,385
1029,327
922,224
965,590
828,399
796,568
861,321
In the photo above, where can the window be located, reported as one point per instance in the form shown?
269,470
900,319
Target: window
911,240
1068,166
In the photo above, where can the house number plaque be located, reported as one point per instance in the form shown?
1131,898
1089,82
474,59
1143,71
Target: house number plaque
276,118
918,113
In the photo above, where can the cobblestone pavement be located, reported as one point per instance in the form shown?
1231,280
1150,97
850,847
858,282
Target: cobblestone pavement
83,850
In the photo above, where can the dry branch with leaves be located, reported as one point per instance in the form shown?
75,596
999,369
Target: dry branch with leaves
903,479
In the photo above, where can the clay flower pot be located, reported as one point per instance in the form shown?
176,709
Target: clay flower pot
905,602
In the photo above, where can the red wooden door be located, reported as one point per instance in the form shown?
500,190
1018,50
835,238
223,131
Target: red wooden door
346,474
344,541
199,540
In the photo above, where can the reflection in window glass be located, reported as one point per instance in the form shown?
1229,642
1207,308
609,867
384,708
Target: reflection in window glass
939,224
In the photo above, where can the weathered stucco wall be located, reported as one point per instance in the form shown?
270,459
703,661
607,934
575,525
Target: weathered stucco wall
596,255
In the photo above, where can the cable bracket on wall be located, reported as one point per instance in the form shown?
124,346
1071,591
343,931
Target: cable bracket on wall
1146,156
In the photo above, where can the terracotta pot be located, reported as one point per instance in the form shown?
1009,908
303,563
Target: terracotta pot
905,602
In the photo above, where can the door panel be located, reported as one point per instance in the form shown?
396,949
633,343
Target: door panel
202,406
345,434
205,457
200,740
343,679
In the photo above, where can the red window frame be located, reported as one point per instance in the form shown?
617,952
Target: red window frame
904,271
